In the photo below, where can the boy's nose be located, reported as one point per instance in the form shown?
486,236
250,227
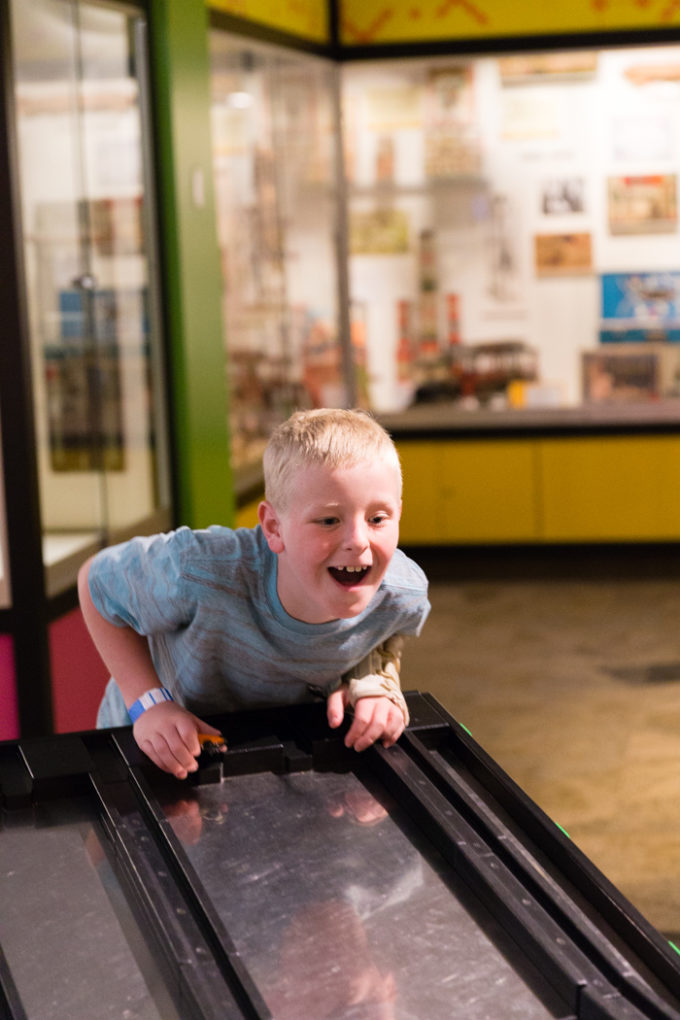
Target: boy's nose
356,536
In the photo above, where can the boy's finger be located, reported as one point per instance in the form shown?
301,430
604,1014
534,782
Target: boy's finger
206,729
163,755
335,708
184,741
369,724
183,745
393,732
365,735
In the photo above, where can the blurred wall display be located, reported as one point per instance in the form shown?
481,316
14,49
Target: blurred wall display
276,191
452,144
485,198
640,306
630,372
561,254
568,64
562,196
378,232
643,204
82,378
533,185
91,277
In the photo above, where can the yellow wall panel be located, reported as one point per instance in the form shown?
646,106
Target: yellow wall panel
421,517
489,491
611,488
389,21
246,515
305,18
469,491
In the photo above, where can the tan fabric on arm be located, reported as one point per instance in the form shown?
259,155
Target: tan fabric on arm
377,675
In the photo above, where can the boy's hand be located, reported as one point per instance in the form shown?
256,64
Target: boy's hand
375,718
168,734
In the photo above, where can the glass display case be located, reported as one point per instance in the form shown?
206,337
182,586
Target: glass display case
509,215
80,92
276,172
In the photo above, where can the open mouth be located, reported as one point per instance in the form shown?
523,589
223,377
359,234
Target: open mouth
348,576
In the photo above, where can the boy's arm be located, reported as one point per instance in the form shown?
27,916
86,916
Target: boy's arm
372,688
166,732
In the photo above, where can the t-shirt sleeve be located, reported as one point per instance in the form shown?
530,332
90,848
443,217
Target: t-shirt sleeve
409,583
422,613
414,618
140,583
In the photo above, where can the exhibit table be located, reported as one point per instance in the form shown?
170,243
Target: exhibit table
293,878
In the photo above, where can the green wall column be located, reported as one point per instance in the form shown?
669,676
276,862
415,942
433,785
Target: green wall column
180,73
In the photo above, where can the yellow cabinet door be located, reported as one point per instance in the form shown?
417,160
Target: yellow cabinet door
469,491
616,488
246,515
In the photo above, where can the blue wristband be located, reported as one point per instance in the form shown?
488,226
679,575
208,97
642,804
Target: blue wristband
153,697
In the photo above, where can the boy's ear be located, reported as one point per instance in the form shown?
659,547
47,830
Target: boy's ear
271,526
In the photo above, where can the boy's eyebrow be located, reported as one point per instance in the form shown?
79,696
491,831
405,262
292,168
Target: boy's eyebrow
379,501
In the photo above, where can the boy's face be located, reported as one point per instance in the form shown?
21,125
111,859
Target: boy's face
335,539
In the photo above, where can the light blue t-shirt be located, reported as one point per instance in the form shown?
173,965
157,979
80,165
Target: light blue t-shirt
219,637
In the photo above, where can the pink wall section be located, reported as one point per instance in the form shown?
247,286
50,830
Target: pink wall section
78,674
9,712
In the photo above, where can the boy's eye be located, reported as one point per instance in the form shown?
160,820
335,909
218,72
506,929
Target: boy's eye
328,521
379,518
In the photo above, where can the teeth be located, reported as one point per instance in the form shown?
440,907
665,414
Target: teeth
353,570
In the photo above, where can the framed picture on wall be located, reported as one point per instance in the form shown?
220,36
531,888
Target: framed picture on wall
645,204
562,196
379,232
562,254
640,307
621,375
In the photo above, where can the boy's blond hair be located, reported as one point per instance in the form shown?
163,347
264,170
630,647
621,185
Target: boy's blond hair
329,437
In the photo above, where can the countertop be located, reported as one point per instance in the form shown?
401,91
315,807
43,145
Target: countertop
442,419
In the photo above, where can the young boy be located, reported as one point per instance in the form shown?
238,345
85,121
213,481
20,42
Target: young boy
312,601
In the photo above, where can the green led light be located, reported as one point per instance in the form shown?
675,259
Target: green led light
673,946
562,830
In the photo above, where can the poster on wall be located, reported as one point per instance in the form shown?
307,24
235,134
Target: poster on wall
620,376
562,254
83,377
562,196
536,67
115,225
503,290
644,204
379,232
452,144
639,307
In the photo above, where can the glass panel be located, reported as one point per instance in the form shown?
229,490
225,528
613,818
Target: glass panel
73,947
318,873
514,228
90,288
275,168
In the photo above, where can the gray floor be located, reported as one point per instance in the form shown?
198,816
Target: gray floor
565,666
